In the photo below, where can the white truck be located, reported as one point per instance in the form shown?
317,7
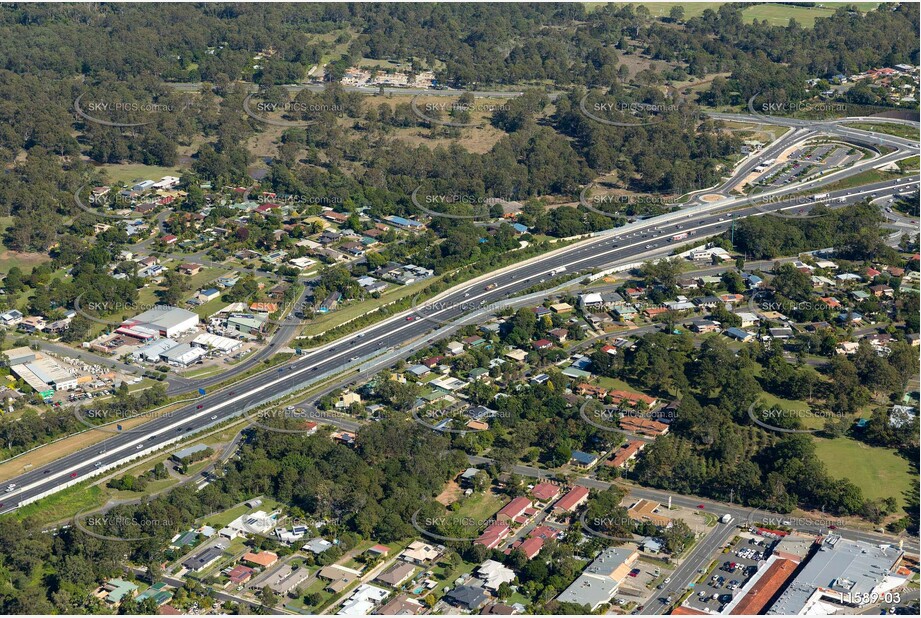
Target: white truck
819,196
725,519
557,271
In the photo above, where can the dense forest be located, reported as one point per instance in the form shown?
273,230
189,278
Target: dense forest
134,54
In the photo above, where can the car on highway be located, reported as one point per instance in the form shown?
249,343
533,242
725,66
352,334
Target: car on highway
410,318
214,418
138,447
199,407
73,475
701,506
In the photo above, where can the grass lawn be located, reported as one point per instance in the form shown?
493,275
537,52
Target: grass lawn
858,180
220,520
479,506
807,421
910,163
614,383
661,9
776,14
129,172
879,472
899,130
61,505
445,575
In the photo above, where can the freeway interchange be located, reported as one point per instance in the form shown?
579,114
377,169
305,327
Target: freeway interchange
396,336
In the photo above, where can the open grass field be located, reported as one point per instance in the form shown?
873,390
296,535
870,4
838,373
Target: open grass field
662,9
776,14
780,14
889,128
879,472
129,172
62,505
910,163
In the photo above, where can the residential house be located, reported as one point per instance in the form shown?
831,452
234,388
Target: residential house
339,577
624,455
514,510
574,498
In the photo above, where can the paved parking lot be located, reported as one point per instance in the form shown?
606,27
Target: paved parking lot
732,571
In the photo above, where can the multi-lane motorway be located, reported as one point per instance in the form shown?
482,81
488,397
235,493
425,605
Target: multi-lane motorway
623,245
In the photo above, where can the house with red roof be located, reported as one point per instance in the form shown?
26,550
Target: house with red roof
631,399
588,390
240,574
576,497
544,532
169,239
514,510
263,559
493,535
625,454
542,344
545,492
643,426
530,547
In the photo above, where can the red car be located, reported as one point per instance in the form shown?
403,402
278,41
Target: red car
701,506
634,573
199,407
832,527
73,475
410,318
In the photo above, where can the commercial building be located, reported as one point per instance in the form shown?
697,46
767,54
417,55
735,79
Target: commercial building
44,375
757,593
648,511
151,352
209,341
841,573
598,583
164,320
181,454
183,355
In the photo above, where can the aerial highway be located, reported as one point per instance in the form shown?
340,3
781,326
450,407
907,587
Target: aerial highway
631,243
